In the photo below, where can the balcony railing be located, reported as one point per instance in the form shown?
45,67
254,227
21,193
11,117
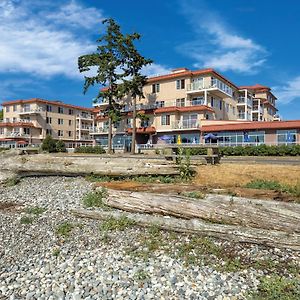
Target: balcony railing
28,110
15,134
257,109
95,130
83,127
185,124
244,100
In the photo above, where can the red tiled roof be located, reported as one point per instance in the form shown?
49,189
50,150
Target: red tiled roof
255,87
185,74
146,130
51,102
183,109
252,126
18,124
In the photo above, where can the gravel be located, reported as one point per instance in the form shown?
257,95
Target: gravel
38,263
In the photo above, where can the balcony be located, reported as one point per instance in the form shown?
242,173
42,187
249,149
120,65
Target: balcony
186,124
85,117
83,127
216,85
257,109
15,135
244,100
98,130
31,111
129,108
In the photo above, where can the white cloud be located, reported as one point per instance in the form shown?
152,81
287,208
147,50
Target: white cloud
34,45
289,92
155,70
74,14
216,45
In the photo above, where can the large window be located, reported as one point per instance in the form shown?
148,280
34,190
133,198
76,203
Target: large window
180,102
165,120
286,136
60,121
48,108
180,84
155,88
160,103
240,138
60,110
197,101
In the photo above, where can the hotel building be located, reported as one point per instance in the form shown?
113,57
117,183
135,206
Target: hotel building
30,121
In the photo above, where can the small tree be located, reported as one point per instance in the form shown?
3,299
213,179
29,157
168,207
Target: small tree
1,114
60,146
49,144
109,60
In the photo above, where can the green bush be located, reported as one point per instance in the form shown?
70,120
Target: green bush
49,144
90,149
60,146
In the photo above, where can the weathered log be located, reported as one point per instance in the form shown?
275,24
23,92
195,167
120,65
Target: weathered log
213,208
237,234
73,165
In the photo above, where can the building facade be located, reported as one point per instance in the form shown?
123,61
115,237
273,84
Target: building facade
30,121
177,104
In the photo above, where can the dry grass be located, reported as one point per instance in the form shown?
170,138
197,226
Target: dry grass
236,175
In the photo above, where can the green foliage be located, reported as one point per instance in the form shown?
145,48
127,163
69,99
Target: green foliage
90,149
1,114
184,164
157,179
195,194
56,252
95,199
26,220
276,287
141,275
35,210
64,229
112,224
60,146
12,181
49,144
274,185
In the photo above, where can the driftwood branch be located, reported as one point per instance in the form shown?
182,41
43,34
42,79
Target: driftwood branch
273,238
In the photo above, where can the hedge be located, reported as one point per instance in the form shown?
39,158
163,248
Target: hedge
90,149
261,150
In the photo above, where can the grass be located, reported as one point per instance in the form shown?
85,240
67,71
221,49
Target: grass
113,224
238,175
95,199
12,181
64,229
26,220
35,210
56,252
274,185
276,287
195,194
141,275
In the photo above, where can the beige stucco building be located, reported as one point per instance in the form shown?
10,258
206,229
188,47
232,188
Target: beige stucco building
30,121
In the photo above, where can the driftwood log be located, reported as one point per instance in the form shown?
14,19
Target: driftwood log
262,214
238,234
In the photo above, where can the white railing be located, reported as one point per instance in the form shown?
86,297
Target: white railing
185,124
257,109
86,117
83,127
244,100
29,110
94,130
14,134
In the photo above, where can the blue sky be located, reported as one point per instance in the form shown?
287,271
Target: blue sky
247,41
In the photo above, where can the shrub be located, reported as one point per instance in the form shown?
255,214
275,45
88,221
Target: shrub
60,146
26,220
90,149
112,223
49,144
95,199
64,229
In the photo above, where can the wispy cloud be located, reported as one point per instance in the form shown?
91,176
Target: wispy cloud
155,69
216,44
288,92
39,39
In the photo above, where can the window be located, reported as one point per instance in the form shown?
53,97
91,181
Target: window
60,133
165,120
70,133
48,132
48,108
180,102
128,123
48,120
1,130
160,103
14,120
60,121
15,107
70,122
220,104
155,88
7,108
197,101
7,120
212,102
180,84
60,110
71,112
26,130
286,136
233,110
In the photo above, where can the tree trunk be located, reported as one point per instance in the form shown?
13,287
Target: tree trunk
213,208
232,233
109,140
133,126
